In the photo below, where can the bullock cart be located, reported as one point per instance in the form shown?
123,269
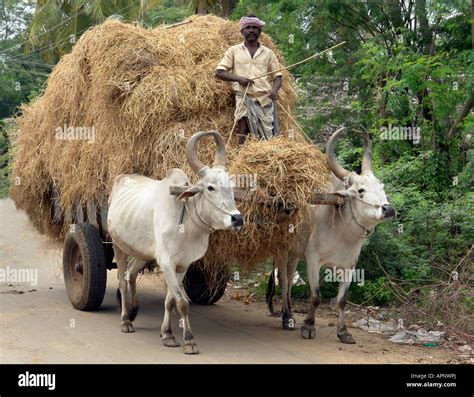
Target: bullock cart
131,110
88,254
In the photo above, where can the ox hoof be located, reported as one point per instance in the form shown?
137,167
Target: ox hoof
274,313
170,342
346,338
308,331
190,348
127,328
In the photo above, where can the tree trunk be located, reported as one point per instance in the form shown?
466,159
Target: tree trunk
394,11
202,6
462,114
423,25
228,6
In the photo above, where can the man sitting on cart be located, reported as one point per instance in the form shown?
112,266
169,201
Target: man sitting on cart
255,97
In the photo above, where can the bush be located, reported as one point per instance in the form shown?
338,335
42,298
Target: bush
5,160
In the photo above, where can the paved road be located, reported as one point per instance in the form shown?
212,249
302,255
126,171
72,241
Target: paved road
39,325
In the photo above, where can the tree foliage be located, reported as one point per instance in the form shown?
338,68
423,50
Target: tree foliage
407,65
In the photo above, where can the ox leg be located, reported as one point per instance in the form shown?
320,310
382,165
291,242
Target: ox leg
271,291
292,264
286,282
133,269
308,331
190,347
173,281
342,332
166,333
125,324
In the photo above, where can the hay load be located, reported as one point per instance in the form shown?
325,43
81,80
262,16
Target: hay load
284,174
126,100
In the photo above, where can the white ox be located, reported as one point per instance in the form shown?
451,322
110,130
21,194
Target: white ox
333,238
144,222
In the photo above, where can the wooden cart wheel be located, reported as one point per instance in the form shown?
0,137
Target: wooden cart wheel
197,287
84,267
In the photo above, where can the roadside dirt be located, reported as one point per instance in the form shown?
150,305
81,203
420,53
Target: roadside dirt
39,325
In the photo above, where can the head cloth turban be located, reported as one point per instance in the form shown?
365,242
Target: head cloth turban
251,21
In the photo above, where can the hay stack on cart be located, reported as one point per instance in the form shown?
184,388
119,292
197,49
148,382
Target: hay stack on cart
126,100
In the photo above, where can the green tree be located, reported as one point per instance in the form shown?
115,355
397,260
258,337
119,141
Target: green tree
19,76
58,24
220,7
168,12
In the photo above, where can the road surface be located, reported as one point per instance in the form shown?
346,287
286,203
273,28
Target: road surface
39,325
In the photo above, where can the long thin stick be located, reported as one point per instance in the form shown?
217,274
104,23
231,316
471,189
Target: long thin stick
176,24
238,111
292,119
279,70
300,62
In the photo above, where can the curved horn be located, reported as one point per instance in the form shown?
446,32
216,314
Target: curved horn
336,168
367,159
221,155
191,151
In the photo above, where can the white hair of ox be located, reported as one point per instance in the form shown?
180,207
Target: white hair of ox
333,237
146,222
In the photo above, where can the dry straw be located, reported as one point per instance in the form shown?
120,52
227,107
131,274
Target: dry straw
145,92
285,174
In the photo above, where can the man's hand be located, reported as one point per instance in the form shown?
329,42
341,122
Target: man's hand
273,95
244,81
226,76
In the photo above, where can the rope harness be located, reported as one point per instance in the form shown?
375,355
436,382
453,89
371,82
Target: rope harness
367,230
207,227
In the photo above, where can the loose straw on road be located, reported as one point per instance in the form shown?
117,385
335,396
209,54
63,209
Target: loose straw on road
279,70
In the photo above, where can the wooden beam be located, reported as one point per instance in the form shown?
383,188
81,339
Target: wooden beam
239,195
327,199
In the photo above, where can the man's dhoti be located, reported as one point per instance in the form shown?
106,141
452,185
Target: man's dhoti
261,120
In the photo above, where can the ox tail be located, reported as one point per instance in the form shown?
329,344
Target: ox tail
271,292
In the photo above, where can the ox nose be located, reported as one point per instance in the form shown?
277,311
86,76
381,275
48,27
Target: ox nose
388,211
237,220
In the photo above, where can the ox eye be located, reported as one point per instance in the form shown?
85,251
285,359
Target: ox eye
210,188
361,190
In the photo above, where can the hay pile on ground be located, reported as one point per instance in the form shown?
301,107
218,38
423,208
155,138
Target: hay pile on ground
144,92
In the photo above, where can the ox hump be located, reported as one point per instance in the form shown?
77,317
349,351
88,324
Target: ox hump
175,176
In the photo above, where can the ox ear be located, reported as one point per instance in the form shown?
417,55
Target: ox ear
193,190
203,171
345,193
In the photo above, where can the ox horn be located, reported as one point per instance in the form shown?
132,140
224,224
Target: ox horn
367,159
336,168
191,150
